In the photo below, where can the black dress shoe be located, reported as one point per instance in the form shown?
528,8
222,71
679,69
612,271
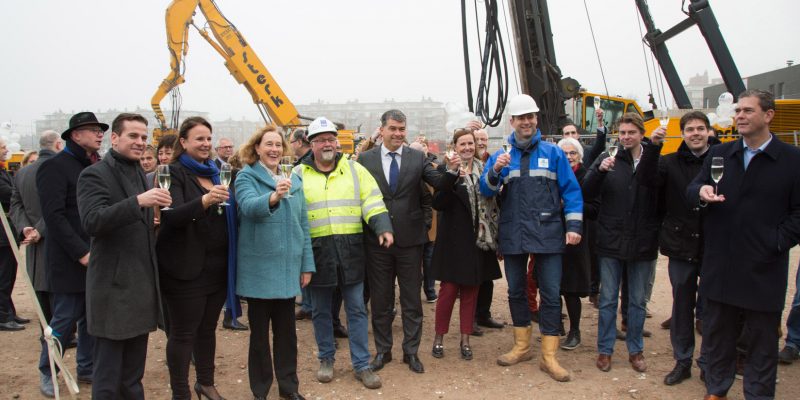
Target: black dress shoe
10,326
414,364
678,374
72,343
20,320
380,360
292,396
339,331
490,323
476,331
234,325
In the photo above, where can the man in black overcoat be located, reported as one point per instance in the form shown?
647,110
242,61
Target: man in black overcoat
122,304
749,226
67,245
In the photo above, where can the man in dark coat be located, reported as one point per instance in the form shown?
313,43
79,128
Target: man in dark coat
627,235
680,237
67,245
122,304
27,217
9,321
750,223
399,171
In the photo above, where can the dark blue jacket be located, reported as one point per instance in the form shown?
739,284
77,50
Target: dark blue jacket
748,236
532,189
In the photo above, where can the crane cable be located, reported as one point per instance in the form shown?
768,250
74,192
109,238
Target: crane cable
509,36
493,67
644,52
596,51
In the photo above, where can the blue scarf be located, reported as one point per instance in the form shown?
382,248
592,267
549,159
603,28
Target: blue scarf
208,169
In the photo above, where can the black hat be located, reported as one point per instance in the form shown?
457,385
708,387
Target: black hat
82,119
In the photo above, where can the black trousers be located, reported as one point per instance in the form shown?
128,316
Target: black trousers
192,331
484,303
720,336
119,368
683,276
8,275
384,266
280,312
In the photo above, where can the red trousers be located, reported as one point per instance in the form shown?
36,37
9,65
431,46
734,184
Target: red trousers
533,286
446,301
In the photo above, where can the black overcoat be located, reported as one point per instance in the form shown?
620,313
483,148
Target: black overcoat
456,257
748,236
122,279
576,276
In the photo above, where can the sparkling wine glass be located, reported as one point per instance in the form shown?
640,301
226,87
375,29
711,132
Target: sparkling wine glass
663,118
507,148
225,173
717,168
164,179
612,147
287,165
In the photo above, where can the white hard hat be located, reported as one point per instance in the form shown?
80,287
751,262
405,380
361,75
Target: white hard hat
522,104
321,125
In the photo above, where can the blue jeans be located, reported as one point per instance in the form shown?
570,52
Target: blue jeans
610,276
305,305
69,310
548,272
793,322
357,323
428,283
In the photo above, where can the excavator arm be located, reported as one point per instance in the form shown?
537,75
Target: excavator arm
240,59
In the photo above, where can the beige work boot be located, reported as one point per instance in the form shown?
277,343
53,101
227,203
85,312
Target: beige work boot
548,363
521,350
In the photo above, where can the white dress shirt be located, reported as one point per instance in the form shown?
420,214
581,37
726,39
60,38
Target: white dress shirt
386,160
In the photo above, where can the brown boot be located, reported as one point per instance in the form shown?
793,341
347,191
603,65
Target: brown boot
603,362
548,363
522,347
637,362
713,397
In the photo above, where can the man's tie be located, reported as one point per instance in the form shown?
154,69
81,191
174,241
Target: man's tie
394,172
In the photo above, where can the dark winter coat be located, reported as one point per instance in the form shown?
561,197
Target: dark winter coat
748,236
66,243
576,277
680,236
122,297
628,220
456,257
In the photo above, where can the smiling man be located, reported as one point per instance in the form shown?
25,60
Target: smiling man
67,245
750,223
117,212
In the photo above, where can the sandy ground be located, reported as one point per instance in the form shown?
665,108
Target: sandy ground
447,378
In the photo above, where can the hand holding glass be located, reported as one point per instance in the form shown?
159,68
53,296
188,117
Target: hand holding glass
287,165
612,146
717,168
225,173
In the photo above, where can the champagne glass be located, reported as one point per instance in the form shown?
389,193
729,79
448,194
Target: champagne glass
507,148
465,168
287,165
225,173
612,146
717,168
164,179
663,118
597,102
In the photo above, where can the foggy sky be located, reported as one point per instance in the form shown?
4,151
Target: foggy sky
103,54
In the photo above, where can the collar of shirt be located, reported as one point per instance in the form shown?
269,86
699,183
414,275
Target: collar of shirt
385,152
759,149
637,159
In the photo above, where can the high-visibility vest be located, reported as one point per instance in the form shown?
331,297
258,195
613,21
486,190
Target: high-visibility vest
339,201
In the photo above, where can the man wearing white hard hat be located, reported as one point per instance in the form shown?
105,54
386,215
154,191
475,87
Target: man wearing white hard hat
533,179
340,194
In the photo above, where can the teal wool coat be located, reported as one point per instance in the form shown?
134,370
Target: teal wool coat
274,243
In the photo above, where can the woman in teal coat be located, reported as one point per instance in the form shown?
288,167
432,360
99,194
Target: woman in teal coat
274,259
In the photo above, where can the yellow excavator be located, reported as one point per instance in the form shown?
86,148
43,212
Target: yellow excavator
240,59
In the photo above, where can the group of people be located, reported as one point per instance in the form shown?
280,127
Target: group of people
115,249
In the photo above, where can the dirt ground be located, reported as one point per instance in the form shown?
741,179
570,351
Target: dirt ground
447,378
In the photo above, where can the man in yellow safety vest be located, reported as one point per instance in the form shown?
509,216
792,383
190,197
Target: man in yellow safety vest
340,194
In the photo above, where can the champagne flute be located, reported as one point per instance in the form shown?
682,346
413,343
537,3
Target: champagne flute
465,168
287,165
663,118
612,146
225,173
597,102
717,168
507,148
164,179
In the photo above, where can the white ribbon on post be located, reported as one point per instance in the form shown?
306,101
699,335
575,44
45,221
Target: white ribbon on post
53,345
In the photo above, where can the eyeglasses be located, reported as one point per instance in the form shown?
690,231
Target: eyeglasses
324,141
225,147
571,153
96,131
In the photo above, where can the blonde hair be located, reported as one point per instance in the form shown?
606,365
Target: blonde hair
247,153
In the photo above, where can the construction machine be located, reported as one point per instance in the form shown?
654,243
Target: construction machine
241,60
